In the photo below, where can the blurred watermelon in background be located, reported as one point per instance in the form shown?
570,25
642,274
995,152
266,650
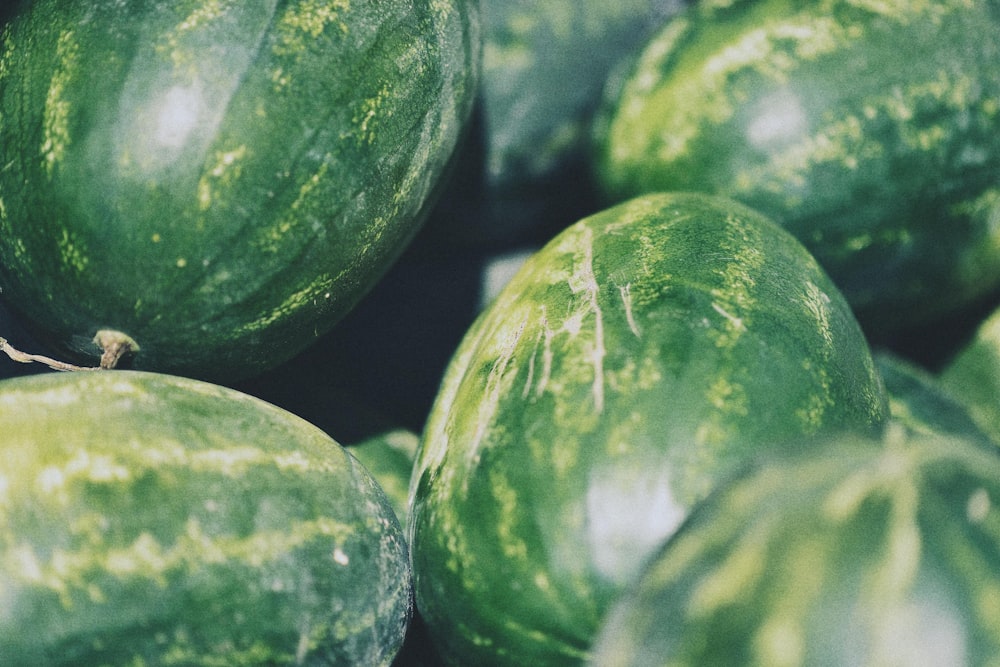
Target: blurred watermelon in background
525,171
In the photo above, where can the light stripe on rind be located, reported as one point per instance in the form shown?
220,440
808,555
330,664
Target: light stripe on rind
139,508
897,574
875,169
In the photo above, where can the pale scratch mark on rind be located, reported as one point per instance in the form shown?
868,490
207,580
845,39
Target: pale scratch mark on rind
737,322
544,339
586,281
494,389
531,367
626,294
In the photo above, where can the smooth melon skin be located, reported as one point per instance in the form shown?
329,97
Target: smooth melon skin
972,376
154,520
630,365
857,555
221,181
867,129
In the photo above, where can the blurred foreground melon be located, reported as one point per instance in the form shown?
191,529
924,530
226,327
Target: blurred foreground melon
855,555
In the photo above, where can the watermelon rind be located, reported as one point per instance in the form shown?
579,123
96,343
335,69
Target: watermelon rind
155,520
221,181
856,555
630,365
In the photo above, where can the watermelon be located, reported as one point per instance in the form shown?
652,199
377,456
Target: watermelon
972,376
389,456
545,63
155,520
870,130
631,364
855,555
219,181
921,405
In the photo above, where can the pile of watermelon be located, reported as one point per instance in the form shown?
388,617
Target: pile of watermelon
469,332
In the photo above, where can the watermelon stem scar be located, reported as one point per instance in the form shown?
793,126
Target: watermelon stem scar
115,346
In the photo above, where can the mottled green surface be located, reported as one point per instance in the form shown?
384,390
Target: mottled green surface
389,458
973,376
858,556
871,130
631,364
220,180
922,405
150,520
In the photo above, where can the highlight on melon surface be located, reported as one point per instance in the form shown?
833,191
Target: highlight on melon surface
853,555
629,366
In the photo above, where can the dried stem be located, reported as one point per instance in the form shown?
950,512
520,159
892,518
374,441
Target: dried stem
54,364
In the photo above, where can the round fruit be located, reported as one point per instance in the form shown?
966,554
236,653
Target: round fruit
637,359
219,181
155,520
870,130
857,555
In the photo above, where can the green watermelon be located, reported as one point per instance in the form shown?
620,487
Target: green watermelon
389,456
545,62
219,181
921,405
544,68
870,130
155,520
635,361
855,555
972,376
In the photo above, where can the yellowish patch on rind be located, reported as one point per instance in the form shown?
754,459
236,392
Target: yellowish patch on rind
508,520
55,123
364,122
224,172
66,573
305,21
183,60
314,293
72,252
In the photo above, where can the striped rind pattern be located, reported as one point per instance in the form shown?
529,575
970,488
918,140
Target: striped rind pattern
868,129
972,375
220,180
922,404
858,555
632,363
154,520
